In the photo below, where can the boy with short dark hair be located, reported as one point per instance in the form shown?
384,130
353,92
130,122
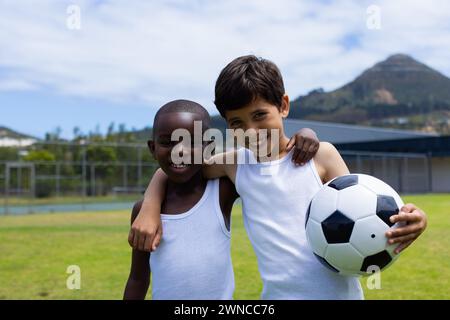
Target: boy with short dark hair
194,261
250,95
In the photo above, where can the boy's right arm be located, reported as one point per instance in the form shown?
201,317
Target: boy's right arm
146,231
221,165
139,278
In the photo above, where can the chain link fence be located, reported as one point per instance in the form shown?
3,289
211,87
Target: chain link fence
86,181
53,177
405,172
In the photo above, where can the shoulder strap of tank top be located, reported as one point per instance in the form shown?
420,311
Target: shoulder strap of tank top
215,192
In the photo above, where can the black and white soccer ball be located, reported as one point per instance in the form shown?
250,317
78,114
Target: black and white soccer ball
346,224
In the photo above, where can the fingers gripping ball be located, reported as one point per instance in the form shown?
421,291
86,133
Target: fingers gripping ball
347,221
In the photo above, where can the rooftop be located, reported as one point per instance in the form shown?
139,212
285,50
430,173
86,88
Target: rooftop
346,133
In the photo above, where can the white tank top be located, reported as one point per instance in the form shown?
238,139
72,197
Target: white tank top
193,261
274,209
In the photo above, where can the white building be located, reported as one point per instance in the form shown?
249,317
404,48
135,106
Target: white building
10,138
409,161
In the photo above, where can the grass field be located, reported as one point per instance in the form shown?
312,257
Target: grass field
35,251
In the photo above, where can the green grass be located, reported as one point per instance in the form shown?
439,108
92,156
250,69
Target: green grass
37,249
423,270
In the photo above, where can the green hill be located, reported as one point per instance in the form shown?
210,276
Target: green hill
397,92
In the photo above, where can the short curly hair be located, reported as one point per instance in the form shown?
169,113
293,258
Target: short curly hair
183,106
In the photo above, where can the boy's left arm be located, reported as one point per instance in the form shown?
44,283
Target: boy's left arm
415,223
306,144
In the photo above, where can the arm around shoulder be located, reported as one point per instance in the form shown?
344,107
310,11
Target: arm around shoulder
221,165
139,277
146,230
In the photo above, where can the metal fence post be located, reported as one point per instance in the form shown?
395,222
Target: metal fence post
33,181
139,173
125,176
84,177
19,179
406,176
400,176
58,177
32,186
93,191
6,188
358,163
429,164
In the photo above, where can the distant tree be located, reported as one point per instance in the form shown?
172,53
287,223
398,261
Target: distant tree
110,131
77,133
9,153
44,188
39,155
54,135
105,170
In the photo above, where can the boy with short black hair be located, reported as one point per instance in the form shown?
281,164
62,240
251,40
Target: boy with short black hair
250,95
194,261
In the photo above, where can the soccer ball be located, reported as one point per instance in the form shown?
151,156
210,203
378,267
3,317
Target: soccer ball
346,224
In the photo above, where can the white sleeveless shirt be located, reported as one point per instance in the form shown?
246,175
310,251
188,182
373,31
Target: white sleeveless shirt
275,197
193,261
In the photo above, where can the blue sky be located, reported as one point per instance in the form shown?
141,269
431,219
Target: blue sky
130,57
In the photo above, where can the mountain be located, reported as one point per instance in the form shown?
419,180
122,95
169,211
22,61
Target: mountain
398,92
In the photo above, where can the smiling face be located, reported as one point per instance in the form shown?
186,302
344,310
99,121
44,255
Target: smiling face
165,151
258,115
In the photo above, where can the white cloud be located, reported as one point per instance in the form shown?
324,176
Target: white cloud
154,51
15,85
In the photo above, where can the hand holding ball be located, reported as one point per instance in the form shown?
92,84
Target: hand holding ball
347,221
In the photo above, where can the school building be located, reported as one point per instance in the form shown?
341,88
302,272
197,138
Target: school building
410,161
